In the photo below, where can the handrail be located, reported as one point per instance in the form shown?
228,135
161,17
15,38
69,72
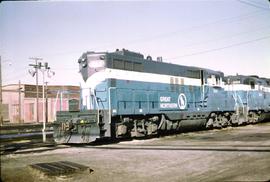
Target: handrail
95,98
241,102
110,108
234,97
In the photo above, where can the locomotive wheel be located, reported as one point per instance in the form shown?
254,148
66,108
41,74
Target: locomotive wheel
253,117
234,119
209,124
241,120
224,121
218,122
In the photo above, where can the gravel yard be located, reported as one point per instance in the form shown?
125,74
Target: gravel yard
231,154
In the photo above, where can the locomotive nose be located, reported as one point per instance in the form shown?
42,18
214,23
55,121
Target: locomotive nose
90,63
83,63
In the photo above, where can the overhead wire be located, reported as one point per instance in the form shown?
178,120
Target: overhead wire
253,4
196,27
259,2
210,50
167,34
225,37
190,45
220,48
173,33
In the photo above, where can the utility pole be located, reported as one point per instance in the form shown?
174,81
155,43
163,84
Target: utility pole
36,66
43,107
46,95
44,68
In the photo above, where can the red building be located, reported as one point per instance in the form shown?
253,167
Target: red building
20,104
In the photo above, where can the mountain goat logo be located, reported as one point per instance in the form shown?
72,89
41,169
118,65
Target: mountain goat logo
182,101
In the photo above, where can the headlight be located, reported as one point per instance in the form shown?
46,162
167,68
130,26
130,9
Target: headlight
84,62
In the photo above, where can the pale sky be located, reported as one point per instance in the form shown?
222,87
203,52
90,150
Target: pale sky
232,36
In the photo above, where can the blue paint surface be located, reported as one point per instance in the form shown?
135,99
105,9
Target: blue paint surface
133,97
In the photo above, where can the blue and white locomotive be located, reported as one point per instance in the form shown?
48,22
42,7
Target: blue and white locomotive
126,95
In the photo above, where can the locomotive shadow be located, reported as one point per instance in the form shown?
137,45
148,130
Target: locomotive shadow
108,141
185,149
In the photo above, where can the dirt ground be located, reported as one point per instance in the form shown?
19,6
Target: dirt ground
231,154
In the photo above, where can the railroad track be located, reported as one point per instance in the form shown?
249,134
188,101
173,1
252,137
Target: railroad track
23,137
218,148
14,145
26,142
